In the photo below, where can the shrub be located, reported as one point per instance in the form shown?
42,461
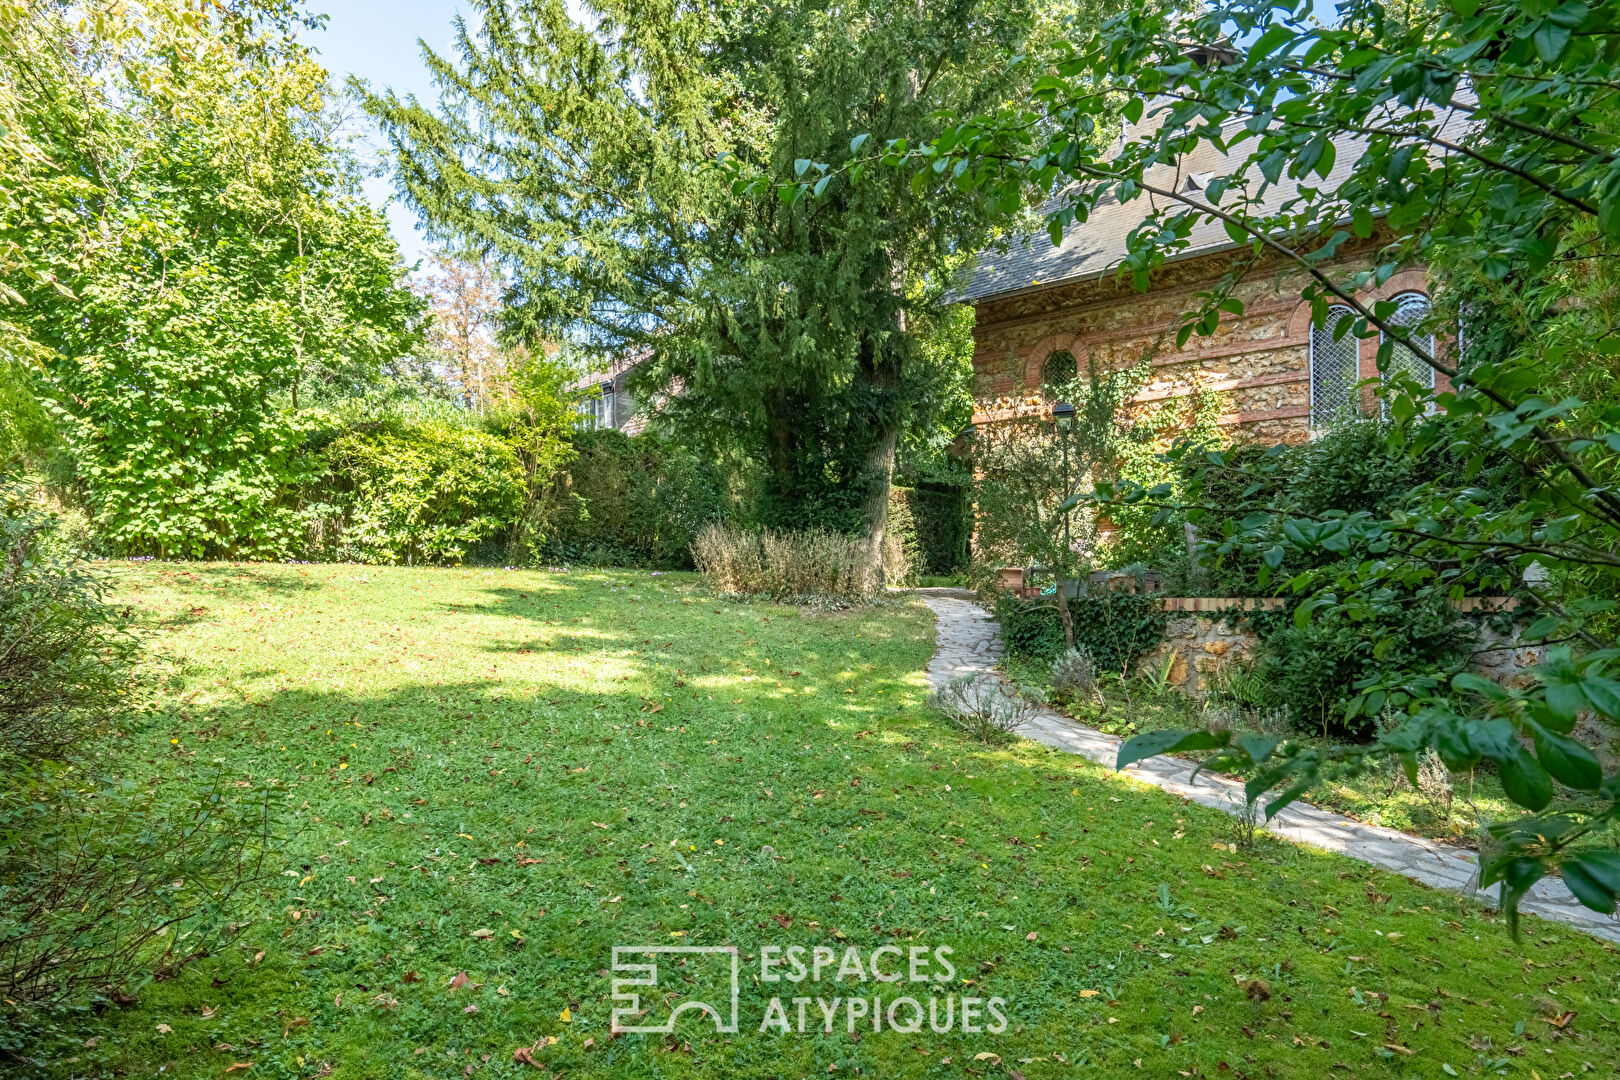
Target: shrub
94,871
627,501
1114,629
900,536
943,516
1313,669
1073,677
982,709
423,493
64,657
101,877
811,565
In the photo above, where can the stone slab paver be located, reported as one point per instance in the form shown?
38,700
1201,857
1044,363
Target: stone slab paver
969,643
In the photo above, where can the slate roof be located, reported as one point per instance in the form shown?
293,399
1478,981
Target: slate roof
620,365
1094,249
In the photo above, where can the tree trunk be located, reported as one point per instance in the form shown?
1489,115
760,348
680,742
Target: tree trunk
882,373
1065,616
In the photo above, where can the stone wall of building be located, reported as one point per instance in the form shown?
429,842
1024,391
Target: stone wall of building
1259,361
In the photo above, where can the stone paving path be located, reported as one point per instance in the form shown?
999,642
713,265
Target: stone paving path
969,643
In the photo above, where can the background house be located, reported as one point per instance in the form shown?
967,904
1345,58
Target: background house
604,401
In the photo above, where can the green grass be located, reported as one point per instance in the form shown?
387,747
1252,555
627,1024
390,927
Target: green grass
1380,796
577,761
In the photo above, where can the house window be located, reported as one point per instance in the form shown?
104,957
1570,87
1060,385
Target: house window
596,411
1334,368
1413,309
1059,370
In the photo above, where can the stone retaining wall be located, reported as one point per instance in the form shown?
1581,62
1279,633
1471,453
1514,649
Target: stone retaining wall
1198,646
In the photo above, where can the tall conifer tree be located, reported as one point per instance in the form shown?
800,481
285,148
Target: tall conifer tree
584,159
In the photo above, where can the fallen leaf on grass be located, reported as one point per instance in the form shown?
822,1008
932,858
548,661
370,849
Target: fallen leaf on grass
483,932
1089,993
1560,1021
165,1029
985,1055
458,980
235,1065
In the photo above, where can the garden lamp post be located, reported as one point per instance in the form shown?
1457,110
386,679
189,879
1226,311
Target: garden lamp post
1063,413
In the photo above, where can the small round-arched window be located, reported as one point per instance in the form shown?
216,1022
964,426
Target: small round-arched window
1412,308
1059,370
1333,368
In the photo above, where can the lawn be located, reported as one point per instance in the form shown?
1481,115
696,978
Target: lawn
494,777
1455,812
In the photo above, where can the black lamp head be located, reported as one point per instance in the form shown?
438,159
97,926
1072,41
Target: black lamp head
1063,411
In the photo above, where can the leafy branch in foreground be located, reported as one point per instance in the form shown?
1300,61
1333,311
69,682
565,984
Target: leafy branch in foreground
1476,140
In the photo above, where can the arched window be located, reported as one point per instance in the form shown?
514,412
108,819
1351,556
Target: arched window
1334,368
1060,369
1413,309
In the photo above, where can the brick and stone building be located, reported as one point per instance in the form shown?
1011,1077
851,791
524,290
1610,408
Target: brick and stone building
1041,308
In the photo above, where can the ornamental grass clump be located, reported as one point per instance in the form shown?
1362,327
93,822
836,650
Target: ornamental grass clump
808,566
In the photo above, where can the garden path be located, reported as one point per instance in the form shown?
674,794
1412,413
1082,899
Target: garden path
969,643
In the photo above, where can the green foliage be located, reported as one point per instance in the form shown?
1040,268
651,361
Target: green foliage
64,658
1510,100
95,867
198,255
1114,629
1318,670
942,516
626,501
814,341
427,493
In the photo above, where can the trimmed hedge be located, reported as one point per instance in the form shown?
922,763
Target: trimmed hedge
426,493
629,502
935,522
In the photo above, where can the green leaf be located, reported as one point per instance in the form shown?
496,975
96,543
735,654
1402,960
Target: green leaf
1570,763
858,141
1604,694
801,166
1524,780
1270,41
1258,747
1550,40
1594,878
1477,684
1133,110
1152,743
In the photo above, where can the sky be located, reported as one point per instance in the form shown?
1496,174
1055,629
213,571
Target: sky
377,40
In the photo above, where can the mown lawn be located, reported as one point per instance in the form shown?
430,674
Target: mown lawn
504,774
1456,814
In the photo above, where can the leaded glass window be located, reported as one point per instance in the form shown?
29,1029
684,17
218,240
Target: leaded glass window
1413,309
1335,368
